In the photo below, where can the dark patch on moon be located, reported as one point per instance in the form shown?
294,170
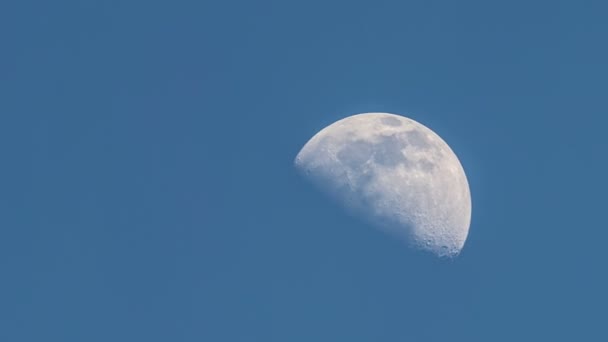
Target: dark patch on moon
416,138
356,153
426,165
390,121
388,152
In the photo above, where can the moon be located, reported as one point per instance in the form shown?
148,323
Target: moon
397,175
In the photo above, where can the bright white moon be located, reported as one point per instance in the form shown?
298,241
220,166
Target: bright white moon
397,174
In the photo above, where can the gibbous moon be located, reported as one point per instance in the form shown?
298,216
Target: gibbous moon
396,174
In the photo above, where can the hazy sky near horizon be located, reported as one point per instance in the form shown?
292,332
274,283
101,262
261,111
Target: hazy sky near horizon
148,193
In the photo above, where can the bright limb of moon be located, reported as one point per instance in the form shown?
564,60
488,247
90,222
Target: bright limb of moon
395,173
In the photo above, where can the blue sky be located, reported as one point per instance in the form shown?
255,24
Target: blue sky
147,190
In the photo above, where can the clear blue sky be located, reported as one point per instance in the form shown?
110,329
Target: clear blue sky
147,191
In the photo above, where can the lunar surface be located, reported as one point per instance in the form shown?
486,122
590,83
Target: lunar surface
396,174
